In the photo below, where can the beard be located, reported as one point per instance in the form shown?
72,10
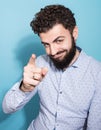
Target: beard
64,63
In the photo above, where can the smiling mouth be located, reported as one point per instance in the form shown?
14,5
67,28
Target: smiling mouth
58,56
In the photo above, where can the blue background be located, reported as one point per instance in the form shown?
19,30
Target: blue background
18,42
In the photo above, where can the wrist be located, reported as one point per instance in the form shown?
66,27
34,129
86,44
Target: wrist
22,87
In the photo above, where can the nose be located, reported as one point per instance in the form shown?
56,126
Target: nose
53,50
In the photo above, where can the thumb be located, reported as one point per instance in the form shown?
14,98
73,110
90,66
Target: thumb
44,71
32,60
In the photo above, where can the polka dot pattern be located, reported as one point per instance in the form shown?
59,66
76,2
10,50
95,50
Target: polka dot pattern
67,98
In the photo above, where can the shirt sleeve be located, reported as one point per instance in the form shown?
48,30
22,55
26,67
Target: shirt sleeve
94,117
15,99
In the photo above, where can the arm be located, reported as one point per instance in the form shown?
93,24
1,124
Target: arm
15,99
94,117
23,91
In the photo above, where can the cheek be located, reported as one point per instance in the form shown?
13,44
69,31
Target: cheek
65,46
68,44
47,51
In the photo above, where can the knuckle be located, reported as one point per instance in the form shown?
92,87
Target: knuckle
24,81
24,75
25,67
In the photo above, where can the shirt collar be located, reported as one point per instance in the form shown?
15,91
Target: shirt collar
80,60
75,65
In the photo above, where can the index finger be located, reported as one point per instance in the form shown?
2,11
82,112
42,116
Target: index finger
32,60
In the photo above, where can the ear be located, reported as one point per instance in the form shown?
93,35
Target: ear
75,32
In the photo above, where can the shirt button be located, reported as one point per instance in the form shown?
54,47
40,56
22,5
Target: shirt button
57,124
60,92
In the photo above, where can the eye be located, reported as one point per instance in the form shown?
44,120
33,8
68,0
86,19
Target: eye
46,45
59,40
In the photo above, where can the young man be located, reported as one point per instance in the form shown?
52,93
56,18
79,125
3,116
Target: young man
67,80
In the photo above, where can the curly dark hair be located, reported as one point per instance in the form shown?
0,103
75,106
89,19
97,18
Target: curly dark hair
52,15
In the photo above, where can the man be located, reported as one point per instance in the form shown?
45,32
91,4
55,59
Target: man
67,80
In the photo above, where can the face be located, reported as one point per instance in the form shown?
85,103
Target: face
60,45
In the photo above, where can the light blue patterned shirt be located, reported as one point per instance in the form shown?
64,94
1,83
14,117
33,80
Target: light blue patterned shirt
67,98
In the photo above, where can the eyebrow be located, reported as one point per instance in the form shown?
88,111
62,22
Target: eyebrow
53,40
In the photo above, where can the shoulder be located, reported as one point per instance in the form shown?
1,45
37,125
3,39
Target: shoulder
93,63
94,66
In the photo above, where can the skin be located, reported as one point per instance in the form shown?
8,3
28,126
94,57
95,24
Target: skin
58,39
57,42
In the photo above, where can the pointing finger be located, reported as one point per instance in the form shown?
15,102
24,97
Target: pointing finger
44,71
32,60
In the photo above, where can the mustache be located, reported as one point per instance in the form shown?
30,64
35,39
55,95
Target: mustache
57,53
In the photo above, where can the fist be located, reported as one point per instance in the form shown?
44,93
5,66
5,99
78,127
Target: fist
32,75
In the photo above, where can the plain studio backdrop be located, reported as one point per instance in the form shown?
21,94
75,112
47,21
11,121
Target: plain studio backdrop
18,42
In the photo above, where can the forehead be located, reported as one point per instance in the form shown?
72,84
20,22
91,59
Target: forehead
57,31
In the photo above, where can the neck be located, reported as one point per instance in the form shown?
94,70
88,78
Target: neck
75,57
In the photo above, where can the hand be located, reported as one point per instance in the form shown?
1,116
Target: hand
32,75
